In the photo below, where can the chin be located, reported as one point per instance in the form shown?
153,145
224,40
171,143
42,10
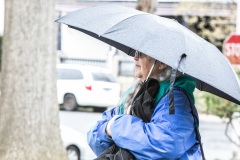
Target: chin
138,76
138,73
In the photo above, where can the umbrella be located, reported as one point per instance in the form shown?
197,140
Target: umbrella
161,38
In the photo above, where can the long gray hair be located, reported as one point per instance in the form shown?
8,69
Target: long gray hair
163,76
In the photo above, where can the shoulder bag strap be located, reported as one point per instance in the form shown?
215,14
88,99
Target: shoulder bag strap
196,121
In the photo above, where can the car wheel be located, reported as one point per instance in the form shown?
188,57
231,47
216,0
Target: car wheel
69,102
99,109
73,153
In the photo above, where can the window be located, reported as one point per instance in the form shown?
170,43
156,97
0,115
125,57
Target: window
126,68
103,77
69,74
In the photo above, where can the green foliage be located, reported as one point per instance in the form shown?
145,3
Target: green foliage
212,28
219,106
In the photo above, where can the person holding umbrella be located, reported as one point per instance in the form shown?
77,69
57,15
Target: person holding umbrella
164,135
168,128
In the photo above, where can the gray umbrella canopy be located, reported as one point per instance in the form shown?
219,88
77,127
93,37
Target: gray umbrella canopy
161,38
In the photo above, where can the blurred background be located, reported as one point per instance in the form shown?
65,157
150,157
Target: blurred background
217,21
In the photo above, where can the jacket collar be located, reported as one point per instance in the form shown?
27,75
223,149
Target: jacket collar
185,82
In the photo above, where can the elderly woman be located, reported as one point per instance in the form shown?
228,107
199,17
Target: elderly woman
165,136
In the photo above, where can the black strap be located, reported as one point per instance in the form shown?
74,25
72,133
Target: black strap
171,96
172,81
196,122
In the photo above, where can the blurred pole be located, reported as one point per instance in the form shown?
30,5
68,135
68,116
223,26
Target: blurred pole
59,35
236,122
238,17
235,136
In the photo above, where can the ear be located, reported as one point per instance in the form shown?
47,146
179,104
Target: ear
162,66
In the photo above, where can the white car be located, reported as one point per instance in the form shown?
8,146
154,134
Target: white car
75,144
89,86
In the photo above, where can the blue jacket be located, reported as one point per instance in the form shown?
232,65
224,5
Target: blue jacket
165,137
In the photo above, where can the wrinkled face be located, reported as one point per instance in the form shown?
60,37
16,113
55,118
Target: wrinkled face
143,64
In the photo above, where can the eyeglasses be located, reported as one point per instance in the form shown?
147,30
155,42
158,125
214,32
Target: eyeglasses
137,54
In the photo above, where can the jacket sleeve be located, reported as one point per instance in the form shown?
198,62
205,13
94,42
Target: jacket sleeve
97,138
165,137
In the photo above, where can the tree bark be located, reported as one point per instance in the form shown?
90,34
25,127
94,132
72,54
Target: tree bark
29,120
149,6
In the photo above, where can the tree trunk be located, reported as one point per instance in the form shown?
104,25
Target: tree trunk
149,6
29,120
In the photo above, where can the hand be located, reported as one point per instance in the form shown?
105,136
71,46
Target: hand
108,129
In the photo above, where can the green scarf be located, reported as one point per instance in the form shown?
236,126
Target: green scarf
185,82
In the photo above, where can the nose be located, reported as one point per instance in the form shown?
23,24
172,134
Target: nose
135,57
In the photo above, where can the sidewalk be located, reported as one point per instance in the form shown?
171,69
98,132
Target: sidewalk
216,146
210,118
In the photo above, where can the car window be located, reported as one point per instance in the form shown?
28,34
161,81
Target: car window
98,76
69,74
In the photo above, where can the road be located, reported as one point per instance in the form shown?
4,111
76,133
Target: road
216,145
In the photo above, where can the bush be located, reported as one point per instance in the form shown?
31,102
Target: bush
219,106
